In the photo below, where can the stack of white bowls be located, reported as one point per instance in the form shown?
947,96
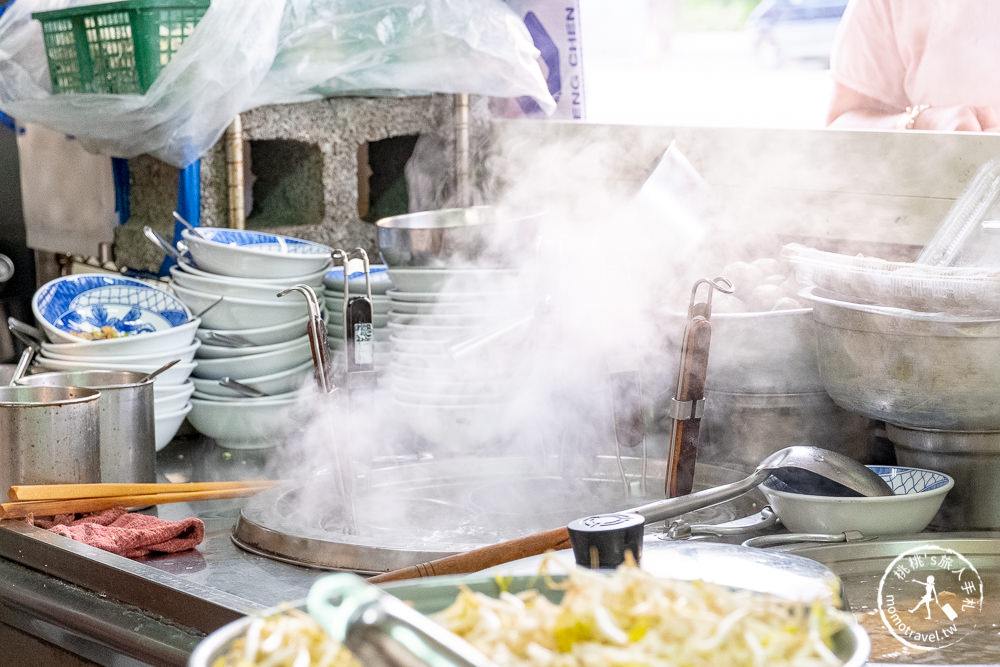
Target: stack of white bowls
248,333
333,294
103,321
438,373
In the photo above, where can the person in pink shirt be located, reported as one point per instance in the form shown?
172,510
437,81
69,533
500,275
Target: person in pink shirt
917,65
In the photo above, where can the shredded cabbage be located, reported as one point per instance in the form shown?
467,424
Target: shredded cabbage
632,618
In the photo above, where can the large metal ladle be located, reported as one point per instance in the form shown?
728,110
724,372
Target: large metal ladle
806,469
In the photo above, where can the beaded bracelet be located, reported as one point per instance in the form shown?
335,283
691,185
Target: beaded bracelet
909,119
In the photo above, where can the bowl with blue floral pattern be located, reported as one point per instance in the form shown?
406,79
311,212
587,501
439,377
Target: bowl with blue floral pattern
917,496
99,307
244,253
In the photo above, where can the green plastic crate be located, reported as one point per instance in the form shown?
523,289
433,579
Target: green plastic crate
117,47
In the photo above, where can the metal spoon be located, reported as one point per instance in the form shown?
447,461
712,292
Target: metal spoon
26,333
229,340
805,469
245,389
194,230
162,243
164,367
22,365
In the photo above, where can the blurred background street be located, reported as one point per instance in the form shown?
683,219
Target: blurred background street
698,62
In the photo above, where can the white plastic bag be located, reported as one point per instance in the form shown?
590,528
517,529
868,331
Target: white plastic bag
247,53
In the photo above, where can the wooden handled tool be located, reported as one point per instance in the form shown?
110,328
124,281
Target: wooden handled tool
685,429
479,559
689,398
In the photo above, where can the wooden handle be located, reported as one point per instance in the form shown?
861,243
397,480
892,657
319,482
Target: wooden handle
22,508
73,491
691,387
480,559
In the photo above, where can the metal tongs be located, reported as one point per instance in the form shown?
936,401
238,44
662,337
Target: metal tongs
359,330
688,402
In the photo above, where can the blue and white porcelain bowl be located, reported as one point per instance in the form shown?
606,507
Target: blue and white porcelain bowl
917,496
248,254
378,275
94,307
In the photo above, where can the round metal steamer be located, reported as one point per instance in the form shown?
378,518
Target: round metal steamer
418,512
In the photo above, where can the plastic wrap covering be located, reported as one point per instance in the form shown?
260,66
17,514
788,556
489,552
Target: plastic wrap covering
248,53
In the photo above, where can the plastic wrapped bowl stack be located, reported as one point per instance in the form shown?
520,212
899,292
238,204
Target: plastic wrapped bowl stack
107,322
248,333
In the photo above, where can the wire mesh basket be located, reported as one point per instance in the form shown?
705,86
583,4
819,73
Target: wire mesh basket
117,47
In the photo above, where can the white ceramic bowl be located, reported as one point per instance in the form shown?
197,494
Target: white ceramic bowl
275,333
168,423
93,306
451,280
276,383
186,353
244,287
176,374
249,254
149,343
313,278
223,351
171,398
239,313
918,496
264,363
297,394
245,424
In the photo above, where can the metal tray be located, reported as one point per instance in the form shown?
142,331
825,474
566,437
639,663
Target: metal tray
861,567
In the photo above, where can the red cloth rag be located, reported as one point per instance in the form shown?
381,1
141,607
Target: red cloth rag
127,534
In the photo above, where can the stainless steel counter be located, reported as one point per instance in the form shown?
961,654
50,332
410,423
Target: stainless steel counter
96,607
115,610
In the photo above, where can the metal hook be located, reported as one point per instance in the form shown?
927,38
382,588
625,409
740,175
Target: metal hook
316,329
367,268
719,283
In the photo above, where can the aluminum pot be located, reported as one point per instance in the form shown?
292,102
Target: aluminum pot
50,435
771,352
914,369
972,458
739,430
477,236
128,426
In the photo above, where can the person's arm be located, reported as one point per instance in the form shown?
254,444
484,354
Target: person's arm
851,109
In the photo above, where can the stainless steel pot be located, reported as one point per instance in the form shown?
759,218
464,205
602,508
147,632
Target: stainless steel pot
741,429
480,236
50,435
128,426
921,370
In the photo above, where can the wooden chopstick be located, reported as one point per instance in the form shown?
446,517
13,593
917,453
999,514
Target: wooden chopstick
22,508
73,491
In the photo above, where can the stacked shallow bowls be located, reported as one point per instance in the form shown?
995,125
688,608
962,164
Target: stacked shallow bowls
248,333
333,294
107,322
446,285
